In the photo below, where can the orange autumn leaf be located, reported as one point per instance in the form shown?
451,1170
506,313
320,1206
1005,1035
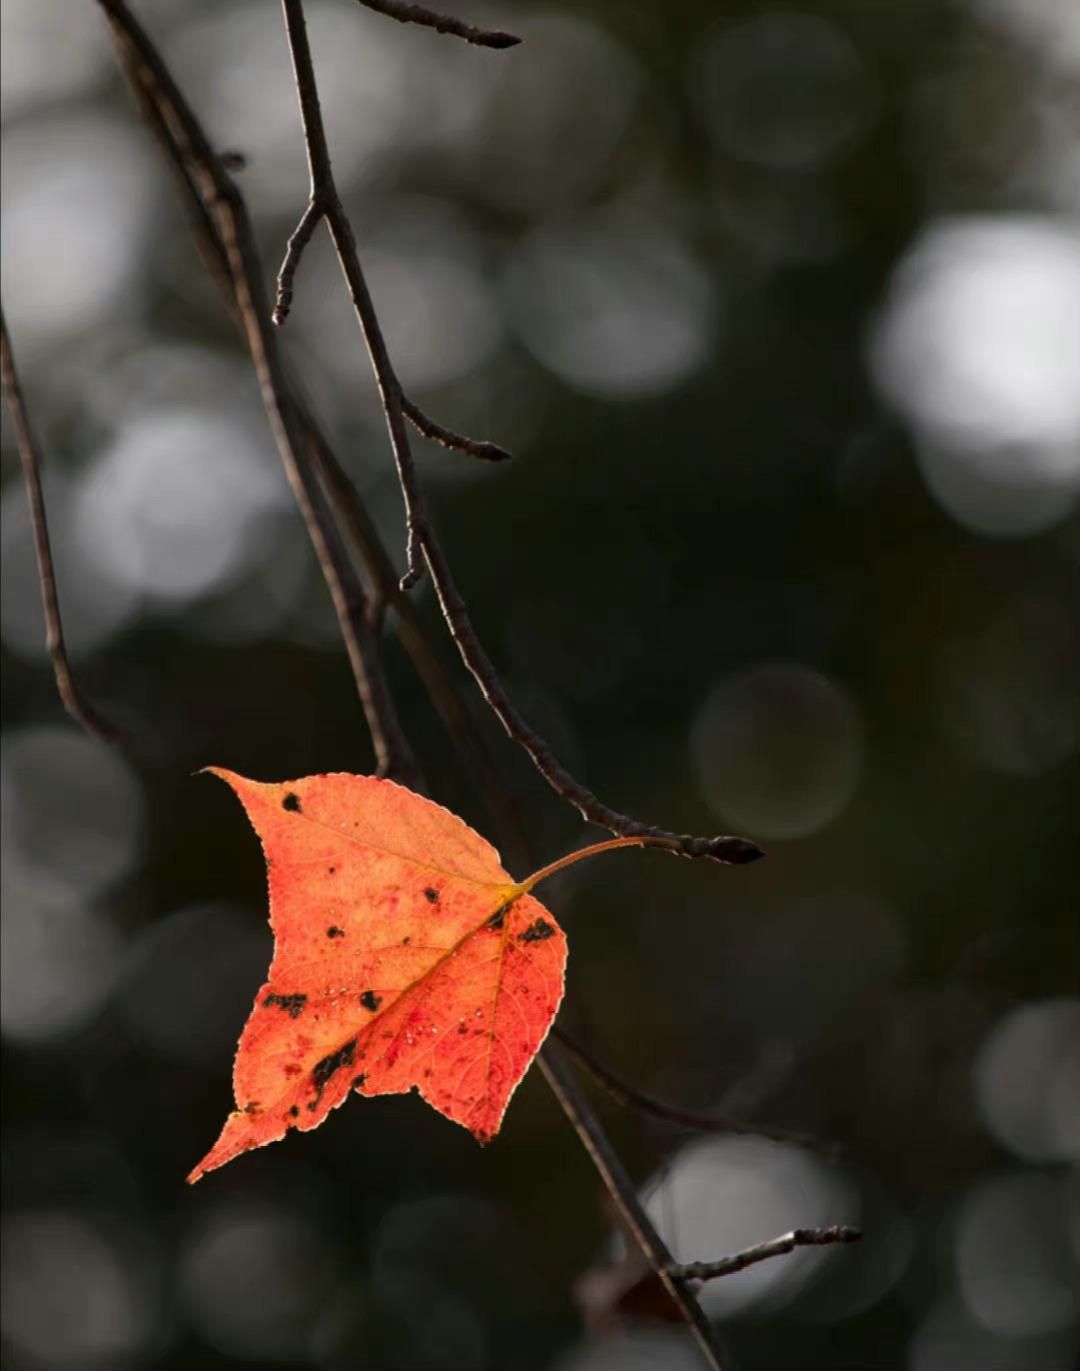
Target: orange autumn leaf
405,957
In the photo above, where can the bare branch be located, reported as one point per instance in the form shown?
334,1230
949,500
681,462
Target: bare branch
442,23
70,695
221,227
629,1207
775,1247
420,537
231,248
630,1097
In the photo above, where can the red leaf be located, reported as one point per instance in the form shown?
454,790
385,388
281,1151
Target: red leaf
404,958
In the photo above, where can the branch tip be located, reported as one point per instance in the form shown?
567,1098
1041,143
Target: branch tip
775,1247
447,437
406,13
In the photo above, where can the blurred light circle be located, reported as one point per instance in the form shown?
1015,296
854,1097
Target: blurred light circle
979,347
1016,1271
57,958
96,606
34,68
777,749
551,127
252,1280
233,67
427,277
1001,491
187,981
73,1298
74,239
853,1287
613,311
149,373
1010,695
174,506
784,89
1052,26
949,1339
429,281
438,314
263,603
725,1194
1027,1080
72,808
776,219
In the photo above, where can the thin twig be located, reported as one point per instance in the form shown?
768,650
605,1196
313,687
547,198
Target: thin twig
630,1209
70,695
734,851
420,537
325,202
438,433
298,241
775,1247
226,213
630,1097
442,23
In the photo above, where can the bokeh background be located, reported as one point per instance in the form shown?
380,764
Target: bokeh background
778,306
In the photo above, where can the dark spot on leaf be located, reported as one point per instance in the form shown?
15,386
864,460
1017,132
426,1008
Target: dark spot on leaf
328,1067
431,895
463,1028
331,869
252,1108
370,1000
294,1110
499,917
291,802
293,1005
292,1069
537,932
334,932
406,941
358,1081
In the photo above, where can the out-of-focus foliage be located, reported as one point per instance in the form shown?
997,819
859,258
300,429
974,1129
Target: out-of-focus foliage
779,308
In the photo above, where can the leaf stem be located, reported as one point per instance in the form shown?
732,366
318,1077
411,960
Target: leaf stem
640,840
